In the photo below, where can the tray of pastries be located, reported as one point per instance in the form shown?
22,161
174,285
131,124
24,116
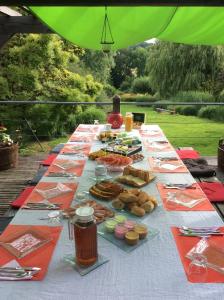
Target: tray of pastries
106,190
136,202
135,177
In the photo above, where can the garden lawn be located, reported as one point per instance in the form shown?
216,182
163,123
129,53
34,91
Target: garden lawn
184,131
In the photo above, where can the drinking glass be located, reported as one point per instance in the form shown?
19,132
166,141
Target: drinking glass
198,268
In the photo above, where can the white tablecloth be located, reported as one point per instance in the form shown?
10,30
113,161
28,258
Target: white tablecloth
152,271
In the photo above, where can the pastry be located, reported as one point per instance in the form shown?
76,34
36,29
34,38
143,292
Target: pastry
127,197
138,211
118,204
110,225
120,219
142,197
129,224
142,230
120,232
131,238
96,154
148,206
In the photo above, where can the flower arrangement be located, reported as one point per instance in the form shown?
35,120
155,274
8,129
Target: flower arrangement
5,139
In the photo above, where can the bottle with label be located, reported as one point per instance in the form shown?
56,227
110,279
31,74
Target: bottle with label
115,117
85,234
128,121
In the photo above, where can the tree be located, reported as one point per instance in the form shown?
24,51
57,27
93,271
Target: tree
175,67
35,67
97,63
129,63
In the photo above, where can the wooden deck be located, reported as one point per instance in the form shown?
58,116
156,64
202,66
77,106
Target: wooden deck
12,181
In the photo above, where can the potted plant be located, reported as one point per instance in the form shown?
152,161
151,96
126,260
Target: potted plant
8,150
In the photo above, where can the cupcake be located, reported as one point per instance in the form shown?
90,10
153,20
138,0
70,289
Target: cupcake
129,225
131,238
142,230
110,225
120,218
120,232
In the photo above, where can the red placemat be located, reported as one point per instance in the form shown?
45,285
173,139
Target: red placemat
76,148
64,199
87,128
22,197
183,154
213,190
157,147
40,257
76,170
205,205
185,244
151,133
155,168
48,161
82,137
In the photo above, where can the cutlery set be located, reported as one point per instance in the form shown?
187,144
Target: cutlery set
66,175
179,186
18,273
42,206
200,231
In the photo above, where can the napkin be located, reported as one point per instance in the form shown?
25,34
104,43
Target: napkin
48,161
22,197
183,154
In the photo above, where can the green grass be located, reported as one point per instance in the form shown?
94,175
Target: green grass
184,131
34,147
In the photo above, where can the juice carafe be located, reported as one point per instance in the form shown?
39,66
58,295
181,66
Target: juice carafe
85,234
128,121
115,118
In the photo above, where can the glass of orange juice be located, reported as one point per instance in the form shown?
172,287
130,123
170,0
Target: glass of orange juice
128,121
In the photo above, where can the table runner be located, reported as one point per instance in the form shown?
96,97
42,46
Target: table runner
38,258
205,205
154,270
185,244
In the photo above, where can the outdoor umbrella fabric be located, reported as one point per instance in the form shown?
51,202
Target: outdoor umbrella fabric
83,26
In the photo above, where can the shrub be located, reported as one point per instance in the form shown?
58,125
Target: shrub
214,113
161,104
109,90
136,98
89,115
126,84
190,110
141,85
192,96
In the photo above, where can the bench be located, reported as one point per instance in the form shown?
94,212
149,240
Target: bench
162,110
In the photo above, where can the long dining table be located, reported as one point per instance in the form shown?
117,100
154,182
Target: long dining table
152,271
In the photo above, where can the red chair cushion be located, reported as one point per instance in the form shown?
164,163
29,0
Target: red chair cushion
48,161
213,190
184,154
22,197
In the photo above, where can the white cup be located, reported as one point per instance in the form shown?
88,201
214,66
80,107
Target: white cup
107,127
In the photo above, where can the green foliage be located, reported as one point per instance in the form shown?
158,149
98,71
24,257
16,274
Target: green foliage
215,113
161,104
175,67
89,115
192,96
129,63
36,67
189,110
109,90
97,63
127,97
142,85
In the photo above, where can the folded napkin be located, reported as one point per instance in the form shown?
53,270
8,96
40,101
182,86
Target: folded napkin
183,154
74,167
169,166
22,197
213,190
48,161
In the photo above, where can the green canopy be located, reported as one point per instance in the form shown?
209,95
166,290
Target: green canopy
131,25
